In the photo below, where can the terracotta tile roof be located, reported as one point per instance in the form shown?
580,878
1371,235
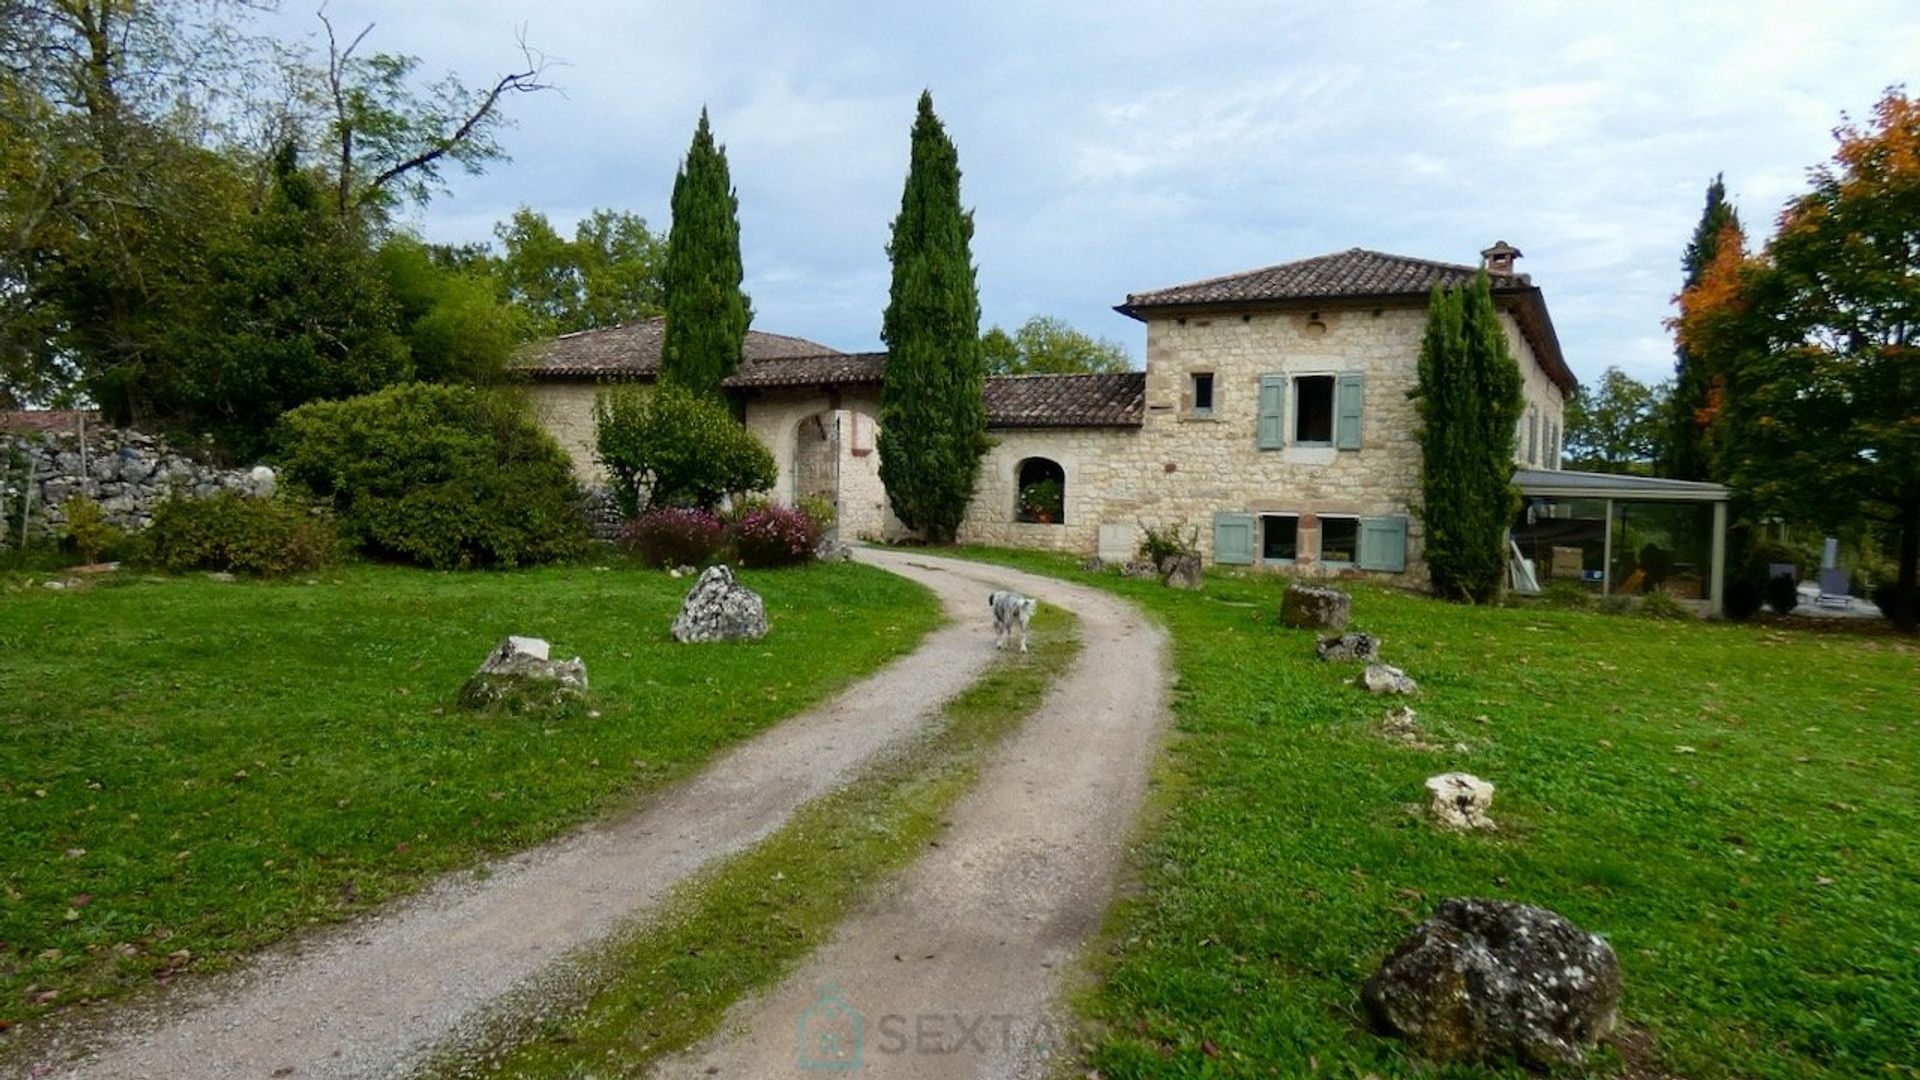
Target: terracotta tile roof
633,352
46,421
1353,274
1013,401
1042,401
1360,274
829,369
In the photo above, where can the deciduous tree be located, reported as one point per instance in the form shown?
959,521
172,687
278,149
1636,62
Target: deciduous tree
933,414
1819,341
1044,345
1616,425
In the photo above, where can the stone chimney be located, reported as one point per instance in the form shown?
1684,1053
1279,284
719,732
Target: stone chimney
1498,259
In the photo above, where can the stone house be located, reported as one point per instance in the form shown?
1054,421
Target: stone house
1272,417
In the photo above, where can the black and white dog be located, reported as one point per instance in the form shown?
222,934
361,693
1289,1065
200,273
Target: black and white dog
1011,613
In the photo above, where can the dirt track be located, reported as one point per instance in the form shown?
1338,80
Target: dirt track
954,972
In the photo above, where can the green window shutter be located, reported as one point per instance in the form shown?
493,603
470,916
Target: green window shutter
1346,423
1233,539
1273,412
1533,438
1383,544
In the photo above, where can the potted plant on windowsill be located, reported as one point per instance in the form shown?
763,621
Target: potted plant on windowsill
1040,502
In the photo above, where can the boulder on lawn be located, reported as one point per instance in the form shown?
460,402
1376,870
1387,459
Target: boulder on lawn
1488,980
1140,568
1093,564
1315,607
1461,800
520,673
720,609
1386,679
1362,647
1180,572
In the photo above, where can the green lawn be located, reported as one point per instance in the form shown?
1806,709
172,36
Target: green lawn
190,768
1736,808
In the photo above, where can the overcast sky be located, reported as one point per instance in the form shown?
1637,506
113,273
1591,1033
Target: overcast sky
1114,147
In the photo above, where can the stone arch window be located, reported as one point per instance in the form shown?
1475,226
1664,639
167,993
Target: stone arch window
1042,491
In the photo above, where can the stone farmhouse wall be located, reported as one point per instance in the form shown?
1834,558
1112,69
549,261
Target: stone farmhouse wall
1182,467
1179,466
126,472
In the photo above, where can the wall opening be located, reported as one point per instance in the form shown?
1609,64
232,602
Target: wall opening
1042,487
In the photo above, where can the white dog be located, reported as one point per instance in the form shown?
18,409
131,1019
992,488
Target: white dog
1011,613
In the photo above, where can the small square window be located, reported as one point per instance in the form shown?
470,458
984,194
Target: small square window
1339,539
1313,410
1279,537
1203,393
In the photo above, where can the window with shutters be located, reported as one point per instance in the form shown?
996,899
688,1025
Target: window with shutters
1339,540
1313,410
1279,538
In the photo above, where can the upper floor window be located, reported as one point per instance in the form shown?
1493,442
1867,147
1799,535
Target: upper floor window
1203,393
1313,410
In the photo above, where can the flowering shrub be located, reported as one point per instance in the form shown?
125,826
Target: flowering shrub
674,537
775,536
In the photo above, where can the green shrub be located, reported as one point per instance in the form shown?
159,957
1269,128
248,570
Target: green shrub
1614,604
1159,545
671,447
1662,605
87,533
234,533
818,510
675,536
444,476
1742,601
769,535
1783,594
1566,594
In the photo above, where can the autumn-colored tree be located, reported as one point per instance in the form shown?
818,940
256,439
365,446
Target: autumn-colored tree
1817,340
1685,450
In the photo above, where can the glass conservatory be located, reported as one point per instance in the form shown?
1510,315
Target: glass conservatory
1620,535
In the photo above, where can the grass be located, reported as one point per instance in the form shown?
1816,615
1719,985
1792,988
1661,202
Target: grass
190,769
1735,808
749,922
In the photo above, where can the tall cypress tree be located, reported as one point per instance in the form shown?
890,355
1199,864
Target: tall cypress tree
707,312
1469,402
1684,451
933,413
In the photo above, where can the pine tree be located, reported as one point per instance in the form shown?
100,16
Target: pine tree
1469,403
1684,452
933,427
707,312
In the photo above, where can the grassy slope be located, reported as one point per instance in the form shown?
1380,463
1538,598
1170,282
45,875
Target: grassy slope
190,765
749,922
1762,887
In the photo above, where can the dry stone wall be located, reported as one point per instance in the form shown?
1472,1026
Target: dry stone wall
126,472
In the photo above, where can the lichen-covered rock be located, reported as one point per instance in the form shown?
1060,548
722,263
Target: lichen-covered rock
720,609
518,673
1461,800
1386,679
1141,569
1488,980
1093,564
1363,647
1315,607
1181,572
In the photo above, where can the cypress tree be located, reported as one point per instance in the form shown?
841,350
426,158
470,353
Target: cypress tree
707,312
1684,451
933,414
1469,401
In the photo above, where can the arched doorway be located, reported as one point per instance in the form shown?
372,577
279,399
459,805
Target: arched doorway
816,458
1041,491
